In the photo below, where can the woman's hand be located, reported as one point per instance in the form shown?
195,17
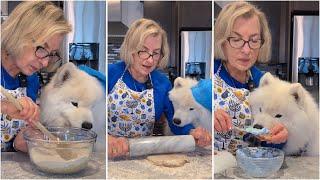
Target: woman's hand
201,136
278,134
19,142
30,111
117,147
222,121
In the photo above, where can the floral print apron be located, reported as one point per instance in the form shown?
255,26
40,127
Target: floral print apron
130,113
235,102
9,126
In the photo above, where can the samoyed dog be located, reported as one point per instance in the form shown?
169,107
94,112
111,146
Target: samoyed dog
280,101
186,109
223,160
73,98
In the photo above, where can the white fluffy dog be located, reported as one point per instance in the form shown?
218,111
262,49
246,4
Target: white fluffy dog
279,101
223,160
74,99
186,109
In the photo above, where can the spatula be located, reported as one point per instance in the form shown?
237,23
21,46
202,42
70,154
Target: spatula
63,153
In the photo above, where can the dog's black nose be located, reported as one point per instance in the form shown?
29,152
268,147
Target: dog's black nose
258,126
86,125
177,121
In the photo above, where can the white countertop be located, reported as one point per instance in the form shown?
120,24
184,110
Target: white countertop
17,165
294,168
199,167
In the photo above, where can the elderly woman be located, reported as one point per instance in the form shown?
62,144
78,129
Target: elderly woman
242,38
138,92
30,40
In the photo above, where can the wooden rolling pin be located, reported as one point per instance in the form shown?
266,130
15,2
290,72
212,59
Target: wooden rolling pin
17,104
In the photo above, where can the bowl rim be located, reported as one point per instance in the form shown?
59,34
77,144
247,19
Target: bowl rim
91,139
261,158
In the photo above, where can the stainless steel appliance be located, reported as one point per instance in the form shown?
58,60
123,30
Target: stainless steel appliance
195,52
305,50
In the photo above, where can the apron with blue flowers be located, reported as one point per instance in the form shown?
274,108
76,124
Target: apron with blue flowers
130,113
10,126
234,101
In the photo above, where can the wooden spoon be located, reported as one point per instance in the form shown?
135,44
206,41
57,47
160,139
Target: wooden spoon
67,155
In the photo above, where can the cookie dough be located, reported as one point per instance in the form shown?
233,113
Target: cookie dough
257,132
168,160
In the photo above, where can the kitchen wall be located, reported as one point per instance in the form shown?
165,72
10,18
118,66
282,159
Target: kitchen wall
174,15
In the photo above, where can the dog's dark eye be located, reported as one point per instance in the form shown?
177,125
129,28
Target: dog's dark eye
74,104
278,116
260,109
191,109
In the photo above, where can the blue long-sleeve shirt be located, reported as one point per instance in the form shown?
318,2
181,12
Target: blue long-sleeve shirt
10,128
11,83
161,87
256,76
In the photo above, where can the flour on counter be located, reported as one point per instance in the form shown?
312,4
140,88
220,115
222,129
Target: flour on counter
50,161
199,167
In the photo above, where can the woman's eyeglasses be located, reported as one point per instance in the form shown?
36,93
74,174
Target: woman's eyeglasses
145,55
238,43
42,53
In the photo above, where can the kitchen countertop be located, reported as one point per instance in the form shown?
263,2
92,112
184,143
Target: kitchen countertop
17,165
293,168
199,167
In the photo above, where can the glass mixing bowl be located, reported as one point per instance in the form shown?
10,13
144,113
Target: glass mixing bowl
68,155
259,161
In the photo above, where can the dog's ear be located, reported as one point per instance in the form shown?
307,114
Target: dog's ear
266,79
178,82
63,74
297,91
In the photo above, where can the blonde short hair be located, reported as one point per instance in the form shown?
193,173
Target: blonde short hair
225,22
32,23
135,37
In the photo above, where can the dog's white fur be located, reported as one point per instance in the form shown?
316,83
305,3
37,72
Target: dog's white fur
299,112
185,106
223,160
68,87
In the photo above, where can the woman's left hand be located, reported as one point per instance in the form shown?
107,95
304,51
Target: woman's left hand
201,136
279,134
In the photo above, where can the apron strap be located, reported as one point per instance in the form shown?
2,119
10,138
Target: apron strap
127,67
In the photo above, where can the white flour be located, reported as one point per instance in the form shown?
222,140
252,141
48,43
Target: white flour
50,161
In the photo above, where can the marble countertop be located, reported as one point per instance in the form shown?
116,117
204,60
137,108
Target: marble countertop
293,168
17,165
199,167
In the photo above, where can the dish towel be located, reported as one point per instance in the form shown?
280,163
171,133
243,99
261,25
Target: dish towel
98,75
202,93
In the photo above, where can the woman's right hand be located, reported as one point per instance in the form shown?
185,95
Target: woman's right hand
30,111
117,146
222,121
